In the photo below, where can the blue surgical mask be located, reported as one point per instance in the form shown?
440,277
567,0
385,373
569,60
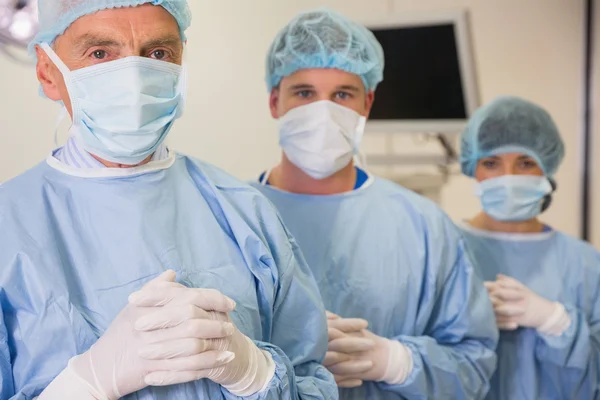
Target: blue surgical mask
123,109
512,198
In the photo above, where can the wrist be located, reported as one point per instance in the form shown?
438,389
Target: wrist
399,363
258,375
70,385
557,323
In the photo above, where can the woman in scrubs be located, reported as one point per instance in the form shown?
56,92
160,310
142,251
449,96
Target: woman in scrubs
543,283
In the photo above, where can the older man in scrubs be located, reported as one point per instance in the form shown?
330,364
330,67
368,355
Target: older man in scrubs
128,270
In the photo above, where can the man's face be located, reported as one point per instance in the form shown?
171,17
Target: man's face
309,85
108,35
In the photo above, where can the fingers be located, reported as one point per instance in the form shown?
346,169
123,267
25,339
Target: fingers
334,357
349,344
331,315
167,276
507,294
348,325
509,310
506,324
173,349
192,329
333,334
206,360
188,369
353,367
347,383
495,301
167,292
168,317
508,307
507,280
509,326
504,281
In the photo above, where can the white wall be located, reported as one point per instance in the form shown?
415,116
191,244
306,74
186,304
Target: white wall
529,48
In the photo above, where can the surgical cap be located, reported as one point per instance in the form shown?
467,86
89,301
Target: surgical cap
511,125
325,39
55,16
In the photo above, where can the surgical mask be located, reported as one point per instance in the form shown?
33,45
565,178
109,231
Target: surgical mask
123,109
512,198
321,138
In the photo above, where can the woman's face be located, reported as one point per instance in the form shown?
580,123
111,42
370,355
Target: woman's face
506,164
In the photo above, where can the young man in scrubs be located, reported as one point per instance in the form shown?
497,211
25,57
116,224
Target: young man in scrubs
407,316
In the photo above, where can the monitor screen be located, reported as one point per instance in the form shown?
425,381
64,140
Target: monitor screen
422,79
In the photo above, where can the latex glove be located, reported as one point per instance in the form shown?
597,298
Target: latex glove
114,367
390,360
248,369
345,348
356,355
516,305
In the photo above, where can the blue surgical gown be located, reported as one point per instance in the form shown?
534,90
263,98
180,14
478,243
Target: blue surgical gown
385,254
73,248
560,268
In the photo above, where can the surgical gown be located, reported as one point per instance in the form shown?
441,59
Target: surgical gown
76,242
560,268
385,254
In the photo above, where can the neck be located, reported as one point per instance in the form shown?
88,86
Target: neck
109,164
286,176
487,223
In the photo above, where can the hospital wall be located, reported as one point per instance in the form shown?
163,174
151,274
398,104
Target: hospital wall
528,48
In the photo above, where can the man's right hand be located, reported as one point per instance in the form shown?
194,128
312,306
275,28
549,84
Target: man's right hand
117,364
344,348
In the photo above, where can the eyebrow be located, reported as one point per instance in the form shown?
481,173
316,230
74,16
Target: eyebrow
300,86
350,88
88,40
306,86
166,41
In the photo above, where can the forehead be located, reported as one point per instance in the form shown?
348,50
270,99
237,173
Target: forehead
144,21
322,78
512,156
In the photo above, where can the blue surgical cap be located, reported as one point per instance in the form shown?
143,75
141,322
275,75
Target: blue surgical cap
55,16
325,39
511,125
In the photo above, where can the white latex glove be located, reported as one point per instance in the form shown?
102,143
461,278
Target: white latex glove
114,367
346,348
383,360
516,305
247,370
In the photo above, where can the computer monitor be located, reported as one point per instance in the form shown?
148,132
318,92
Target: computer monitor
429,82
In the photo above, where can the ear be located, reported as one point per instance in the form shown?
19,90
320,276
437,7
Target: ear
370,98
47,74
274,102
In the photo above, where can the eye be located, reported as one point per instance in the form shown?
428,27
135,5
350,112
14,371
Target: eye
528,164
305,94
343,95
99,54
489,163
159,54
